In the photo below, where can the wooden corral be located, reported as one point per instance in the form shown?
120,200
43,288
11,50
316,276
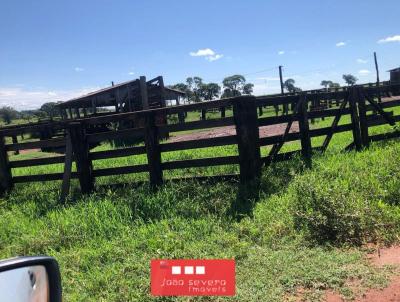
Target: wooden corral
358,102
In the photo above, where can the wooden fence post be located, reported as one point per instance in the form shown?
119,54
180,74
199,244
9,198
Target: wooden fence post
5,171
355,118
245,116
153,150
363,118
304,128
80,148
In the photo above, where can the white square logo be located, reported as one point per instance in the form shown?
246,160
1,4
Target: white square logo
189,270
176,270
200,270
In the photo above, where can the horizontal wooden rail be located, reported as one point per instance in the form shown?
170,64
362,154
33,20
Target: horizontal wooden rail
37,161
379,120
117,152
214,123
273,120
120,170
383,136
56,142
328,113
41,177
109,135
200,162
199,143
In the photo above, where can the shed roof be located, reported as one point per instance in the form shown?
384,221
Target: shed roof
106,96
394,69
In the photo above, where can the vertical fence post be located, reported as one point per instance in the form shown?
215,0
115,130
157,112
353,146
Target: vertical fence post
355,118
245,116
363,118
153,150
80,148
5,170
304,128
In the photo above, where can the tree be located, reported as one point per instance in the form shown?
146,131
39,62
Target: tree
194,88
349,79
8,114
248,88
326,84
289,85
210,91
236,86
334,85
50,109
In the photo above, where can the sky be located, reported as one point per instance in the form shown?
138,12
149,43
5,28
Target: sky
57,50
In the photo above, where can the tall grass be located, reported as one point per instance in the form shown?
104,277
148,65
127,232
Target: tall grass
303,232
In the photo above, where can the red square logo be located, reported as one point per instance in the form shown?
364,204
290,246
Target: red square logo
212,277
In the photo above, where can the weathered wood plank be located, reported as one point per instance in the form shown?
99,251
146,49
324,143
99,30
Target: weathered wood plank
247,134
199,143
120,170
200,162
153,150
228,121
117,153
109,135
54,142
81,151
37,161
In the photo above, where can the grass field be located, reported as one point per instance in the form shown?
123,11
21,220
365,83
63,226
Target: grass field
307,230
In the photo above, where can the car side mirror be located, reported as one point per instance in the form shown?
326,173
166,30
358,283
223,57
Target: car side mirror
30,279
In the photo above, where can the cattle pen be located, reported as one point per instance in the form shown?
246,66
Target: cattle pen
365,105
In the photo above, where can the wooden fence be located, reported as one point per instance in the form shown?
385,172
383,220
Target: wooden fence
364,105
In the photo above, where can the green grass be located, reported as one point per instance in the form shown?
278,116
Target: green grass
305,232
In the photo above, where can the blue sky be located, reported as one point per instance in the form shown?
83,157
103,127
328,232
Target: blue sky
55,50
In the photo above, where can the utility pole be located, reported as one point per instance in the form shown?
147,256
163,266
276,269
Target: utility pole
285,106
281,78
377,77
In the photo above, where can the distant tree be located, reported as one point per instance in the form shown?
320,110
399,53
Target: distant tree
194,88
334,85
326,84
289,86
349,79
50,109
248,88
8,113
210,91
235,86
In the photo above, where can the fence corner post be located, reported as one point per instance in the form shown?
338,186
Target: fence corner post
80,148
246,121
153,149
355,121
362,110
304,128
5,171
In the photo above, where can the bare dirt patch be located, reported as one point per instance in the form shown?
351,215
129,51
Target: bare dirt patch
381,257
265,131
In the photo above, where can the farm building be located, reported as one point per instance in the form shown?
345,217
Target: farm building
129,96
395,78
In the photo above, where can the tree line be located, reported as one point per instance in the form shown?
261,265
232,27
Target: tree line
195,88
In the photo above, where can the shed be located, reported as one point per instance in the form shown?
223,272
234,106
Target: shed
129,96
395,79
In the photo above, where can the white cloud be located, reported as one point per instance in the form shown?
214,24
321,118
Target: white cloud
281,52
364,72
78,69
340,44
361,61
131,73
203,53
24,99
209,54
214,58
395,38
